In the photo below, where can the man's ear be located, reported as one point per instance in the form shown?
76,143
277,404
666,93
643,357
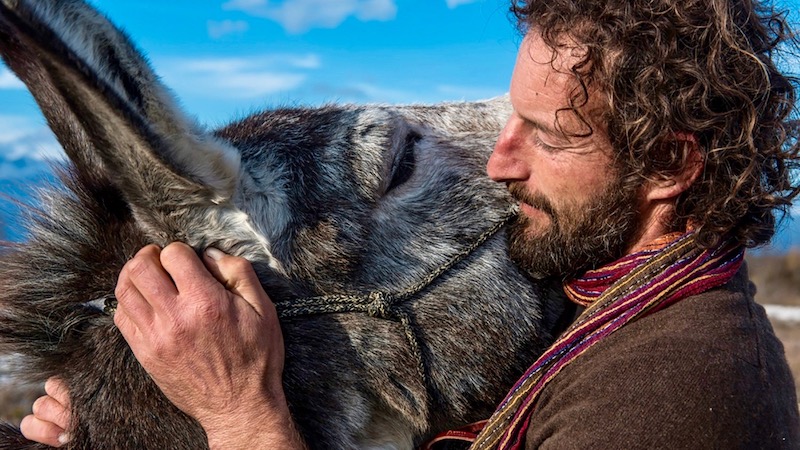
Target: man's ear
676,183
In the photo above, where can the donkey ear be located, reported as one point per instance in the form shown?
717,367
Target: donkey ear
107,107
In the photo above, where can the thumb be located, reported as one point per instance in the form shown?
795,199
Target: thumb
238,277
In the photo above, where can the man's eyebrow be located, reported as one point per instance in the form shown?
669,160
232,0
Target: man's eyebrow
541,126
554,130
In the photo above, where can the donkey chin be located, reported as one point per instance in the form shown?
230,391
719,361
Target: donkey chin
374,229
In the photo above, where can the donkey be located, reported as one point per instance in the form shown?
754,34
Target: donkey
373,228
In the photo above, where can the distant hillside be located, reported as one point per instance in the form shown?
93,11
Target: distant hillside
776,276
18,179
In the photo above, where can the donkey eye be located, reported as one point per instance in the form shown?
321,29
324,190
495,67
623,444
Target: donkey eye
405,162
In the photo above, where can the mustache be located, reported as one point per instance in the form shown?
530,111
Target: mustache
521,194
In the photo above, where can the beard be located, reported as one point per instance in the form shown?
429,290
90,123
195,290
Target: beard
580,236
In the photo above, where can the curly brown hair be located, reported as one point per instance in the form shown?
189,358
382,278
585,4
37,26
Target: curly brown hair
708,68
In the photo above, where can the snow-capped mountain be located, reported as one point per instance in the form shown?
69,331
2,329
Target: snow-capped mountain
26,157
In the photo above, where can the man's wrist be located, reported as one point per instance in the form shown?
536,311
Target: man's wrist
259,432
264,427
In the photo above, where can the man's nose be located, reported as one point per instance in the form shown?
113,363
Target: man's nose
507,162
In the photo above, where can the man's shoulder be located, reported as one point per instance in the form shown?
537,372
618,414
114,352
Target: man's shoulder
708,369
723,328
719,324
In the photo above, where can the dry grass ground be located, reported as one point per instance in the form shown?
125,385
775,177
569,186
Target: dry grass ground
789,334
776,276
16,401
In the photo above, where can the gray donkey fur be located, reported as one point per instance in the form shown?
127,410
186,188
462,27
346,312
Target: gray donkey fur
336,200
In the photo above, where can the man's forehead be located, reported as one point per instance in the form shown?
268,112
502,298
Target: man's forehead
562,56
544,86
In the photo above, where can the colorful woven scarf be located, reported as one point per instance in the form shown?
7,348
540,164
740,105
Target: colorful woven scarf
671,269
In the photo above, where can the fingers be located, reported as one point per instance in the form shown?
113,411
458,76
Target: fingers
50,416
142,275
188,272
47,433
48,409
55,387
133,310
153,281
144,278
238,276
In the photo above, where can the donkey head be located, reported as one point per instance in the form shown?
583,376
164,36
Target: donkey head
381,214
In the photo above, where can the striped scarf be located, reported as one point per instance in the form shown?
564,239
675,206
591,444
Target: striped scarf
663,273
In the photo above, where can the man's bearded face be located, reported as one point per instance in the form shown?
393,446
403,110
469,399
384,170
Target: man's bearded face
580,237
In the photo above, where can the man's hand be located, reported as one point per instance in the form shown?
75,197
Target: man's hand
50,416
208,335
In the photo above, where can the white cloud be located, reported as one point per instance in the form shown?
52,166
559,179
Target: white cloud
9,81
364,92
13,128
23,138
249,63
456,3
260,84
298,16
243,77
217,30
41,145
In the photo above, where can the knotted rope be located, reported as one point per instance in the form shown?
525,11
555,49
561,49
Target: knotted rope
377,304
384,305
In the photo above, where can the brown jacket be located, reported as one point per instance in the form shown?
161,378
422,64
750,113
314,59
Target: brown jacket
705,373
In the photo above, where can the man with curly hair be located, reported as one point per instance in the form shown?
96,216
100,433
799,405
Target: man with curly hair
650,144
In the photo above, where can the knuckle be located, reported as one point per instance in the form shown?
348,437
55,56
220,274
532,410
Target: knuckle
54,387
138,266
45,408
125,327
122,291
164,346
175,252
240,266
142,262
178,327
38,405
158,349
119,321
148,251
208,311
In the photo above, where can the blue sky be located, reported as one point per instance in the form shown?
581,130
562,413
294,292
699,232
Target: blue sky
227,58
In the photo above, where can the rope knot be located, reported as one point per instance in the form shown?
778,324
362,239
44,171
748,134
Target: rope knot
379,305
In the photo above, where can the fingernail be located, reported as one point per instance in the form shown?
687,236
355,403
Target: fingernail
64,438
214,253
